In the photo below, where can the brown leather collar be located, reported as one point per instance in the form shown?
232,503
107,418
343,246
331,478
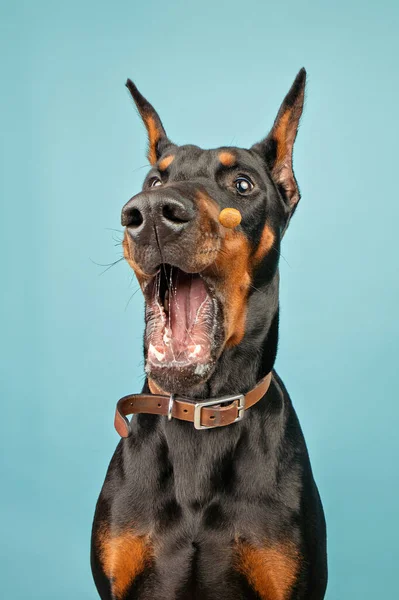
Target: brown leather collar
205,414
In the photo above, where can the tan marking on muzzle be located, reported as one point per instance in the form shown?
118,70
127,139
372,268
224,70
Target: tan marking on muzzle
128,252
233,263
230,270
265,244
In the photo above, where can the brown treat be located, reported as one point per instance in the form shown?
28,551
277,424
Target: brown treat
230,218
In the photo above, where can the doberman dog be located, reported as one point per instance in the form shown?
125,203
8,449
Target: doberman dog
210,493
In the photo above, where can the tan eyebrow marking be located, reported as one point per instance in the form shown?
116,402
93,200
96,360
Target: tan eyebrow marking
165,162
227,159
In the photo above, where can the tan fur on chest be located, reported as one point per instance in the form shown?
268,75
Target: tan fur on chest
123,557
271,570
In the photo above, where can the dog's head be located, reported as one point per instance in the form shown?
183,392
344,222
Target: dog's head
197,276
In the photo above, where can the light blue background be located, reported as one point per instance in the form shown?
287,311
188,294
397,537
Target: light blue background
73,148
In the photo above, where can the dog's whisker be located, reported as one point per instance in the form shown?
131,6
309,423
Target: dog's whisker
273,247
147,166
134,293
109,265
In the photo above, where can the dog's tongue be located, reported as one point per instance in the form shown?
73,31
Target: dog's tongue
187,295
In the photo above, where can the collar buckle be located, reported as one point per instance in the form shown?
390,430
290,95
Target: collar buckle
240,398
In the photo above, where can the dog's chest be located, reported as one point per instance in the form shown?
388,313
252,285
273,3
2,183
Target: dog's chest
197,515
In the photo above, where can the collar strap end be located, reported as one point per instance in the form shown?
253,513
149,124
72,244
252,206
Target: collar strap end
121,423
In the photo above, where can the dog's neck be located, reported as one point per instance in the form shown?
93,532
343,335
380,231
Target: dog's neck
241,367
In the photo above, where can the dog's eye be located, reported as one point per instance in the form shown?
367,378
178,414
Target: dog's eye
155,181
243,185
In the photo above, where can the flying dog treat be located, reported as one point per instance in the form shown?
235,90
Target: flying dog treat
230,218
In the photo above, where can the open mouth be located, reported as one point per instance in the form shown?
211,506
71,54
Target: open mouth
181,322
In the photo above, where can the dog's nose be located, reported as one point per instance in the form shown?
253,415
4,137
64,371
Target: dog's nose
167,214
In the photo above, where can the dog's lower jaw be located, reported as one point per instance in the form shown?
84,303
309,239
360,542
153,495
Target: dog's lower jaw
180,380
236,369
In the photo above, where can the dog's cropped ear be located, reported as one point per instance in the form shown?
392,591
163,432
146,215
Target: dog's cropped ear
276,149
157,138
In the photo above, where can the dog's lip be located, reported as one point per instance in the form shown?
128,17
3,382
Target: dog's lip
147,286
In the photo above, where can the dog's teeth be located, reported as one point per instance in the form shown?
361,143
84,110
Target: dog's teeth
167,336
166,301
159,355
194,350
